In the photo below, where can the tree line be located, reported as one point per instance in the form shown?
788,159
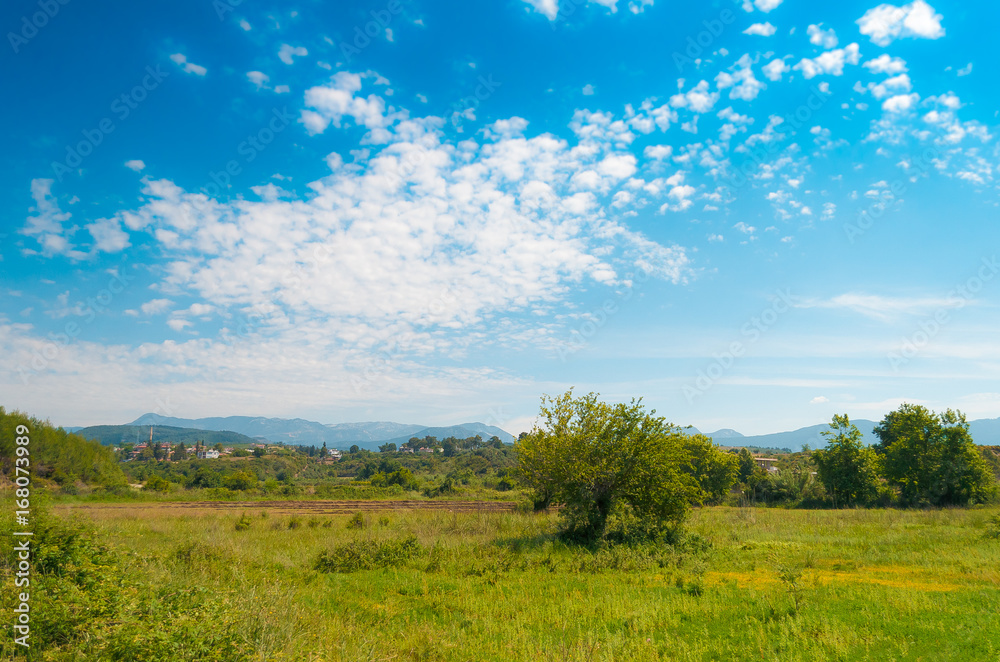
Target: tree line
621,472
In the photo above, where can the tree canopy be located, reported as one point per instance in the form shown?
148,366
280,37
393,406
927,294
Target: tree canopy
606,461
847,468
932,458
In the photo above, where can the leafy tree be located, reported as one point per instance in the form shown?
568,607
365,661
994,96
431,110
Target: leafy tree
847,468
180,453
157,483
219,447
602,460
750,473
387,448
932,457
354,449
259,452
715,471
449,447
241,481
495,442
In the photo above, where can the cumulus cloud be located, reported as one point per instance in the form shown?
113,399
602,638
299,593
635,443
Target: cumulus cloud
741,80
830,62
775,68
763,5
548,8
885,64
135,164
886,23
822,38
188,67
47,224
425,236
900,103
698,99
287,52
258,78
761,29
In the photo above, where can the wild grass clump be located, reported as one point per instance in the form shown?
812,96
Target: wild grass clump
357,521
993,528
368,555
244,522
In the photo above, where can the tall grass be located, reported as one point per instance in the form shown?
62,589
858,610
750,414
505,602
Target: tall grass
748,584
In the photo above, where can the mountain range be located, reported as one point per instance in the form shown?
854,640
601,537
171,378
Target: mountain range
298,431
370,435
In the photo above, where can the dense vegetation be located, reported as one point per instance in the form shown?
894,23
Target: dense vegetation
58,456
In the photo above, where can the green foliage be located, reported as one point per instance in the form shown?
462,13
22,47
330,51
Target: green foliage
932,459
368,555
241,481
715,470
55,452
357,521
847,468
598,458
157,484
750,473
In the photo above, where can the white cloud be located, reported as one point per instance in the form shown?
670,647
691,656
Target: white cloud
886,23
744,85
763,5
135,164
830,62
900,103
886,64
287,52
883,308
819,399
698,99
965,71
108,235
331,103
188,67
47,223
258,78
761,29
658,152
588,90
548,8
178,324
156,306
775,68
823,38
245,25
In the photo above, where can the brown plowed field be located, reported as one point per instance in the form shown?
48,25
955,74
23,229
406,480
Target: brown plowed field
311,507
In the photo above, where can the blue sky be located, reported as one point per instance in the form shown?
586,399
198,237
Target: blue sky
753,214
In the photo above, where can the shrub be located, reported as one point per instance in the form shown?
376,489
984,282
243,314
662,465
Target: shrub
368,555
357,521
155,483
243,523
993,528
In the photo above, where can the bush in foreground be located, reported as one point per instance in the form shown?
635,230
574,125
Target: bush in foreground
368,555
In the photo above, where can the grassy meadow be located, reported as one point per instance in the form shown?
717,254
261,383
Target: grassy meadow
745,584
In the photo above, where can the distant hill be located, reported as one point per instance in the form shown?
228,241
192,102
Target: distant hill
298,431
463,431
725,433
116,435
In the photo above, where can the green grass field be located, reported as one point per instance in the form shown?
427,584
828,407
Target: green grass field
748,584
